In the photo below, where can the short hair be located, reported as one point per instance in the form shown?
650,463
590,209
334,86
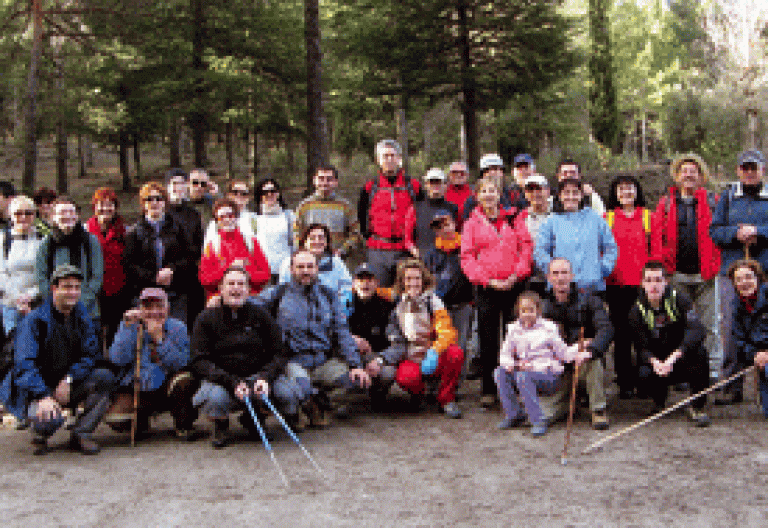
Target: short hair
528,295
555,259
746,263
484,182
299,252
221,203
19,201
613,195
428,280
236,268
653,265
387,143
232,183
153,186
567,161
105,194
561,185
199,171
330,168
311,227
64,199
44,194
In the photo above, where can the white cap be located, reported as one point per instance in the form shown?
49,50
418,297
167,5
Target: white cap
536,179
491,160
435,174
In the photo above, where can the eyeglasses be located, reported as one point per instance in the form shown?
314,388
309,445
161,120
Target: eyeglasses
198,183
154,198
24,213
270,191
240,192
533,187
223,216
750,166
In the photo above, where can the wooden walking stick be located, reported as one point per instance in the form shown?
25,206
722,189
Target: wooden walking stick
572,404
137,383
664,412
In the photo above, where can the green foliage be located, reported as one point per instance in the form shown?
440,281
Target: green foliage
603,109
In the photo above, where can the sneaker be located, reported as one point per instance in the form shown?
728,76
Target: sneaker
697,416
41,445
600,420
297,422
539,429
510,422
318,417
451,410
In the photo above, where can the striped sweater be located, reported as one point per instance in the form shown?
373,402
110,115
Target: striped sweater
334,212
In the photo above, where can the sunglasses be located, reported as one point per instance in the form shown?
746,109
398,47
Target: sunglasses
749,166
198,183
24,213
270,191
533,187
154,199
239,192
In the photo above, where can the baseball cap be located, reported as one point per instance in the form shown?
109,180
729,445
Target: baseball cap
63,271
523,158
435,174
750,156
491,160
153,293
536,179
458,166
364,269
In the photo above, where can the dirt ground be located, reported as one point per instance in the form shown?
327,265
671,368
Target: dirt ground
404,469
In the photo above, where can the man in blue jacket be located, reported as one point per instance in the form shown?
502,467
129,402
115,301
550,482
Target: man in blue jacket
740,221
55,367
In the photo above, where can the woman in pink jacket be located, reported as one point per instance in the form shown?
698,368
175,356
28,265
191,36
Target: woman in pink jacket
496,256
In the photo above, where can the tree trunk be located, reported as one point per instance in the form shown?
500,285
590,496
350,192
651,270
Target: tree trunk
137,157
61,134
228,147
30,142
173,140
255,157
123,155
469,104
80,157
603,108
198,119
317,146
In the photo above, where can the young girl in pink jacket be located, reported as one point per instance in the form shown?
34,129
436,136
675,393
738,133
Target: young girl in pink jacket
531,363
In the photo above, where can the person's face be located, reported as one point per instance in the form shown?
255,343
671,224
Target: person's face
154,205
436,188
458,177
304,268
270,194
571,197
413,283
527,312
495,172
226,219
46,208
536,194
626,193
750,173
65,216
66,293
23,218
240,194
178,189
154,309
447,228
234,289
745,281
389,160
521,171
568,172
688,175
325,182
559,275
198,185
488,196
316,242
365,286
654,282
105,211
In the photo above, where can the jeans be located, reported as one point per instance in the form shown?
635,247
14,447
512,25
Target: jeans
526,386
217,402
592,373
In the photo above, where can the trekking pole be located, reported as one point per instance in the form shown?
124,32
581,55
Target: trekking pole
137,383
265,441
664,412
572,404
292,434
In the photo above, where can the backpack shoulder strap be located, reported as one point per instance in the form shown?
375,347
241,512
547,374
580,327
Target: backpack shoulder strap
7,239
647,219
609,218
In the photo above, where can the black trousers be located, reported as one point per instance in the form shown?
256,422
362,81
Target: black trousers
620,300
691,368
494,309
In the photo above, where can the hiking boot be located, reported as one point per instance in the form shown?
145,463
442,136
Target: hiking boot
730,398
487,401
41,445
600,420
84,443
451,410
220,437
187,435
297,422
510,422
539,429
697,416
318,417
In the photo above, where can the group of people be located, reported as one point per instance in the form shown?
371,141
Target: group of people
210,303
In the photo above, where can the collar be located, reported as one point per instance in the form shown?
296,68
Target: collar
738,190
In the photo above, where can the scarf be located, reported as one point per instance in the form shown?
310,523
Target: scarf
448,244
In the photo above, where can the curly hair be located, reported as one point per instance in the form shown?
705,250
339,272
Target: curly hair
105,194
153,186
428,280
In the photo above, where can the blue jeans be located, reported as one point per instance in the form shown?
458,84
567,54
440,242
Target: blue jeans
217,402
764,390
526,386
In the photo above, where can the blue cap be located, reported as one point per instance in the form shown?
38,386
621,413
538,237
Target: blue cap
364,269
750,156
523,158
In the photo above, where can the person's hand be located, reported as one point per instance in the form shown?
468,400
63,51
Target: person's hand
48,409
414,251
154,328
509,368
360,377
240,263
164,277
587,188
261,387
660,367
363,345
498,284
373,368
761,358
582,356
213,302
62,392
242,391
509,281
745,232
132,316
429,363
213,187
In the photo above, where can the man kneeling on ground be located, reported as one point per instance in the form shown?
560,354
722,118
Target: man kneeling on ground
166,384
237,351
55,367
669,339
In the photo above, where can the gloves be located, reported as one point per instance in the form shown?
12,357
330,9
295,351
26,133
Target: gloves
429,363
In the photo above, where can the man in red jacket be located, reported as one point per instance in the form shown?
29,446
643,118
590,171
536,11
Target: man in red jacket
680,240
381,210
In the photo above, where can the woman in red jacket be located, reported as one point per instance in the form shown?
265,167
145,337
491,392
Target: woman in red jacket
496,255
630,222
227,245
109,228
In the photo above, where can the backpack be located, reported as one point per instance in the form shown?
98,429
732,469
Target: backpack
375,188
611,215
